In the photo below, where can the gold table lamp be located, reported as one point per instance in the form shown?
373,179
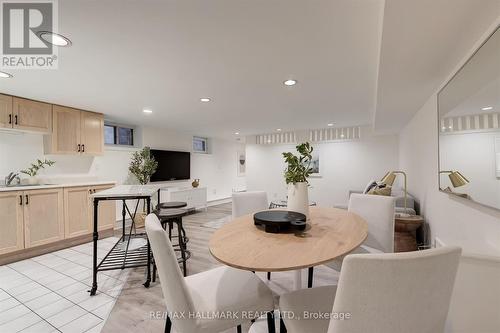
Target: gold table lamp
389,179
456,178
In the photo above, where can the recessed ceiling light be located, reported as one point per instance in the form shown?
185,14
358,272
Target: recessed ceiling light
236,133
290,82
5,75
147,111
486,108
205,99
330,124
342,135
278,129
54,39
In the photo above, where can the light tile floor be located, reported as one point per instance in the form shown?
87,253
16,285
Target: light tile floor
49,293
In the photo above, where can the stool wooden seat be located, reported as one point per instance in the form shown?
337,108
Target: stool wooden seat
171,204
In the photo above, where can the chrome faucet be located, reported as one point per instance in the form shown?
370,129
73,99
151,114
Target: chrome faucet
11,177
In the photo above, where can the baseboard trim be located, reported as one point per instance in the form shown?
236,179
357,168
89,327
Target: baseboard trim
219,201
47,248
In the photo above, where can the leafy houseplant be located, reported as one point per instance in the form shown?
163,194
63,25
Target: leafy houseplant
296,173
299,167
32,171
142,166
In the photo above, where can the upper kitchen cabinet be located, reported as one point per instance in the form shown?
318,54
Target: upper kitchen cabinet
5,111
31,115
75,132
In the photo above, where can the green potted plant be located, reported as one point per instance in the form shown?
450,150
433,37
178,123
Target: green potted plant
142,166
296,174
33,170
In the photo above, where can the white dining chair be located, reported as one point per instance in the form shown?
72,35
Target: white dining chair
378,212
249,202
379,293
191,300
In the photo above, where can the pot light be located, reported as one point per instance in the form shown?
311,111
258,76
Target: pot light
5,75
205,99
290,83
278,129
486,108
236,133
147,111
54,39
330,124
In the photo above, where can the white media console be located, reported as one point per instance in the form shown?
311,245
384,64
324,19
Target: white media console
196,198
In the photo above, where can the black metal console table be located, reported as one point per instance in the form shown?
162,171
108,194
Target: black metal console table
118,257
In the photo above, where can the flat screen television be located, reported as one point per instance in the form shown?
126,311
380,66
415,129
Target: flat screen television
172,165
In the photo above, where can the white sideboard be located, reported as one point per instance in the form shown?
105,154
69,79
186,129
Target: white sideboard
195,197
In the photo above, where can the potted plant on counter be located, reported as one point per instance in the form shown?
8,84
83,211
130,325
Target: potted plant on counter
296,173
142,166
32,171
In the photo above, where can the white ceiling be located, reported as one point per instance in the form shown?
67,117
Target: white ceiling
165,55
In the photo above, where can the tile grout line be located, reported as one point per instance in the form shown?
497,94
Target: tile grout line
27,307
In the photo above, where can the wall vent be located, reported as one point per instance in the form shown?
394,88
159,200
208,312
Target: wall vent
472,123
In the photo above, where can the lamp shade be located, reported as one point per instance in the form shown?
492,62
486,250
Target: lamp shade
389,178
457,179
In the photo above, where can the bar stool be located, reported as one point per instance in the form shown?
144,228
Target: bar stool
170,217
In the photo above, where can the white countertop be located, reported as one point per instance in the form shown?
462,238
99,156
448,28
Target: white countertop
47,186
128,191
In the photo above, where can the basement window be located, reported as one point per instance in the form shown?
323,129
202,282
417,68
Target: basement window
118,135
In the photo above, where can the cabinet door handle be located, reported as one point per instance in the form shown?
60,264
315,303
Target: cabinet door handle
83,148
79,147
15,119
10,119
27,199
21,200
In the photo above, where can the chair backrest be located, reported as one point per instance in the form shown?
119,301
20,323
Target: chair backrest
249,202
175,291
396,292
378,212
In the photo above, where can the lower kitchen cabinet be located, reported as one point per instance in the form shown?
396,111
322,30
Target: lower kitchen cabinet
76,211
107,210
11,222
43,216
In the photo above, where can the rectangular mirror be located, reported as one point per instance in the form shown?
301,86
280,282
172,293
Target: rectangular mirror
469,128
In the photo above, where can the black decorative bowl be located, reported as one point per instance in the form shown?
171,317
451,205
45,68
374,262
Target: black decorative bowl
276,221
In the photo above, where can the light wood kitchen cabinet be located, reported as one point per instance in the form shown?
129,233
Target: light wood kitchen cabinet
65,138
92,133
31,115
76,211
5,111
106,210
75,132
11,222
43,216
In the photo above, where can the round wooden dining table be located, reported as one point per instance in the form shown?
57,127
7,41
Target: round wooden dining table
330,233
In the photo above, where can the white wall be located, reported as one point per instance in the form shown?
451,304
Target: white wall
217,170
344,166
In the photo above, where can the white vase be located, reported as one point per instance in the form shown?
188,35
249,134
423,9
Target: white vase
32,180
298,198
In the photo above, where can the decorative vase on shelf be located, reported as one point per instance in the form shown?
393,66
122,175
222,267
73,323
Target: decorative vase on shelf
298,198
195,183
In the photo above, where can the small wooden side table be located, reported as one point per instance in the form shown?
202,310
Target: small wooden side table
405,233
